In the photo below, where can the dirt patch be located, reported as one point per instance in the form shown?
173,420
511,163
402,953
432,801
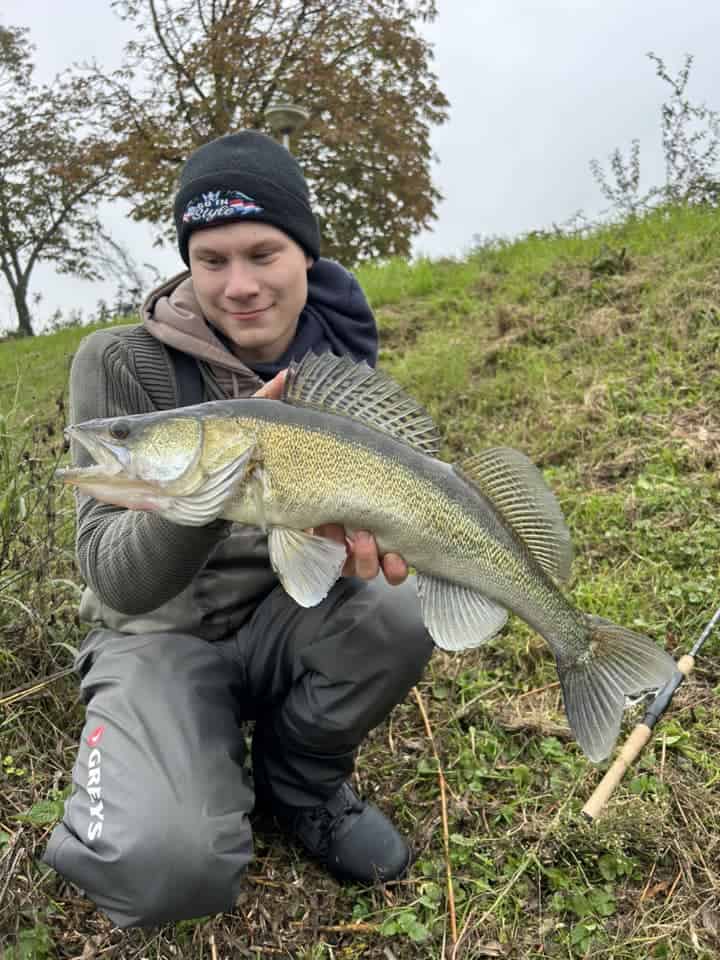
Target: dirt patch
606,322
401,326
698,431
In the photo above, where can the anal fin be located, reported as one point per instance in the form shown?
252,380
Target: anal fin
457,617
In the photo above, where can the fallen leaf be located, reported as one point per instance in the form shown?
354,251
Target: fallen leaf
710,920
491,949
656,889
90,951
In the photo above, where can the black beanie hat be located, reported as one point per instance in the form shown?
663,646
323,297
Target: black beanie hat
244,176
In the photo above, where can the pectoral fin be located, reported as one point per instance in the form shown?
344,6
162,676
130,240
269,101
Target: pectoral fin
207,502
456,617
307,565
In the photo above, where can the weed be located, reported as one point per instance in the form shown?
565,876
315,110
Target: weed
33,943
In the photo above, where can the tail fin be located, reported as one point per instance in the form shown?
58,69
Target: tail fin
619,665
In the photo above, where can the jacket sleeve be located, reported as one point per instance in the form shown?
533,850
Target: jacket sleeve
133,560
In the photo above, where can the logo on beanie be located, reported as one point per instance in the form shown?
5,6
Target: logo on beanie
218,205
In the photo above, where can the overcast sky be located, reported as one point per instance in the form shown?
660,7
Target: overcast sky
537,89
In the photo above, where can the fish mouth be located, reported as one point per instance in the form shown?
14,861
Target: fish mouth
107,480
111,460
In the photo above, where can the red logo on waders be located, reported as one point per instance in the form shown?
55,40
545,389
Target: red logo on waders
94,739
94,786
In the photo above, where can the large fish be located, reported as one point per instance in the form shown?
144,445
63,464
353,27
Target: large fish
346,445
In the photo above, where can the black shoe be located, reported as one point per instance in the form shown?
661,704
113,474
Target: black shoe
354,840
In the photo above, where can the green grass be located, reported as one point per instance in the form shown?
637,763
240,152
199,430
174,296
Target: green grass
398,280
34,371
598,357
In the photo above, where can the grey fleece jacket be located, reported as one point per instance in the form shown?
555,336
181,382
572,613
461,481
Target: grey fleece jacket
145,573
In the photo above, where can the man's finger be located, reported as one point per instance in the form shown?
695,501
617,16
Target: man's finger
394,568
273,389
336,532
365,554
331,531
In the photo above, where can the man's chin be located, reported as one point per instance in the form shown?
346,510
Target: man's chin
257,348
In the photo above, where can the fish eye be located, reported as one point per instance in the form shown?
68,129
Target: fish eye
119,430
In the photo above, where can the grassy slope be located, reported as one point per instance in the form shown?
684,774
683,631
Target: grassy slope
607,378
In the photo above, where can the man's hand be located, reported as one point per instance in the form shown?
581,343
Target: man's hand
363,559
273,389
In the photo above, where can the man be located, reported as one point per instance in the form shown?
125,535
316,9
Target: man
192,633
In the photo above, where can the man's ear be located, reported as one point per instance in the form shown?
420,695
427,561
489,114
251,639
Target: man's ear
308,261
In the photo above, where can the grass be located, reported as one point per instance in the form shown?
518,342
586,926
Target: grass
597,356
33,374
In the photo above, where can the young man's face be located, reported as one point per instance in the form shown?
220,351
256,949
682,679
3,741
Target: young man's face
250,280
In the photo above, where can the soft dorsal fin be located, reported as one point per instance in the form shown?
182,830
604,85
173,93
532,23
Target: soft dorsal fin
518,491
341,386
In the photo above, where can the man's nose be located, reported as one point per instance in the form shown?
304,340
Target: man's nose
242,282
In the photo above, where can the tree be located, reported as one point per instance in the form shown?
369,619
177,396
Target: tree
198,70
55,164
691,148
690,140
131,279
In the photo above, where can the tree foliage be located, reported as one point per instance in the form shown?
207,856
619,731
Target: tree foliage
199,69
55,165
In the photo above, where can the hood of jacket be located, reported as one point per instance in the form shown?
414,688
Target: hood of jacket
336,318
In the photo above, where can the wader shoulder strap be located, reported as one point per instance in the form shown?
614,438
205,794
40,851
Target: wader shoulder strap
188,377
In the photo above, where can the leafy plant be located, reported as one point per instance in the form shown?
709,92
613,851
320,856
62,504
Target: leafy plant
363,71
690,135
47,811
405,922
33,943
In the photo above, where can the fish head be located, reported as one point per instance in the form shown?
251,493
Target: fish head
137,456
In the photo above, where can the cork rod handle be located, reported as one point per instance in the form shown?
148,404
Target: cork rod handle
631,748
628,754
686,663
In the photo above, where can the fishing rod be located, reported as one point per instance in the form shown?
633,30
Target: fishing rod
643,731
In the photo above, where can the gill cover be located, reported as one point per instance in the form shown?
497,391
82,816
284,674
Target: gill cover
163,452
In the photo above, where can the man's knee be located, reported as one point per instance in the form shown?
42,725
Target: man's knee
397,632
184,874
376,651
165,866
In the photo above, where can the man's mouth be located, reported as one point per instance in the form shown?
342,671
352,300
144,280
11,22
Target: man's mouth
248,314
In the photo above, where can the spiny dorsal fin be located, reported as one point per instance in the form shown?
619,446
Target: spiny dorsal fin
519,493
341,386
